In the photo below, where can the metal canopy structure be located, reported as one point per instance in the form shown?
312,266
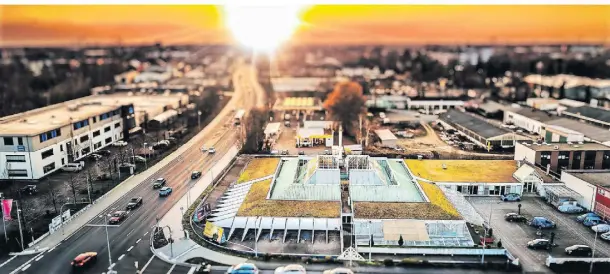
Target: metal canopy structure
440,233
259,224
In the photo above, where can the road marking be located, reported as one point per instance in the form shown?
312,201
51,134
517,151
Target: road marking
28,266
130,248
38,259
95,225
121,257
171,269
147,263
192,270
23,265
52,248
7,261
146,233
130,232
111,266
138,240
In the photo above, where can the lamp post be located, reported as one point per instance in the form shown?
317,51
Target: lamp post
108,239
20,229
491,209
61,214
145,155
593,253
370,241
199,120
256,229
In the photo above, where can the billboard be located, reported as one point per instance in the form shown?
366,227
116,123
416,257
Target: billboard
214,232
202,213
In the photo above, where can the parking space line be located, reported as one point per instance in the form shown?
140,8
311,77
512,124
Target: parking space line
147,263
121,257
26,267
130,248
147,232
138,240
111,266
38,259
7,261
171,269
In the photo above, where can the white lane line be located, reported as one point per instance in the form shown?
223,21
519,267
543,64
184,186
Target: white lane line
52,248
7,261
130,248
138,241
96,225
23,265
130,232
147,263
111,266
38,259
192,270
146,233
121,257
28,266
171,269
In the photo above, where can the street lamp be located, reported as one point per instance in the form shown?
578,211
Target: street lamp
370,241
593,253
256,229
61,214
107,239
491,209
198,120
145,155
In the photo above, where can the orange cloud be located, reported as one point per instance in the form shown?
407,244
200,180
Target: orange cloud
324,24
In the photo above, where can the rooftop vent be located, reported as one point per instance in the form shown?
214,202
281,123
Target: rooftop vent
556,147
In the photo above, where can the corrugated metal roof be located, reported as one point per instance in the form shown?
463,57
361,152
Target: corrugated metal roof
474,124
596,133
385,135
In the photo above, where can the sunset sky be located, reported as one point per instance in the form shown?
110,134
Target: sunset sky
69,25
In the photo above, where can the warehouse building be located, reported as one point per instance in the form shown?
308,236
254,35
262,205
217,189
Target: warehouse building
38,142
556,157
388,139
591,115
591,133
479,131
528,119
593,187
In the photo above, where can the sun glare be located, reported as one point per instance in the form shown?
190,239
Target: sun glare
262,28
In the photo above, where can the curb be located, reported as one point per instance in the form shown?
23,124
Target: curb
29,252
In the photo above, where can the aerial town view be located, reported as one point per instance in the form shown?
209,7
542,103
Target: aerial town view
286,138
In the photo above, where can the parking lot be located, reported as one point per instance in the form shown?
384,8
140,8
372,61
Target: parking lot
515,236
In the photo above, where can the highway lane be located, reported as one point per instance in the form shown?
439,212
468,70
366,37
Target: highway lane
140,221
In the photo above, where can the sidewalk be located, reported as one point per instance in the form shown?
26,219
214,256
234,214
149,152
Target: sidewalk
99,205
183,247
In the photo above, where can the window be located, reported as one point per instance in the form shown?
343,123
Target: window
47,154
86,150
106,129
84,138
15,158
17,173
81,124
130,110
108,140
61,148
8,141
96,133
50,135
94,119
97,145
48,168
19,141
117,125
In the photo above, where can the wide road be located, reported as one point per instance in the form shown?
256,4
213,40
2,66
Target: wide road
130,239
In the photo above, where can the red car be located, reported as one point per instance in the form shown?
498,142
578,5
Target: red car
84,260
117,217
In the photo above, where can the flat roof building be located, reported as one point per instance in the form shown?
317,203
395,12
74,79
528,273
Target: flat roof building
591,132
555,157
593,186
529,119
592,115
388,139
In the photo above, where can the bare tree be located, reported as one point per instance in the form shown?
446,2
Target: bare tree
51,196
73,184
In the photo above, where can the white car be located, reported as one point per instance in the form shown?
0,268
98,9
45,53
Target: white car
605,236
340,270
204,149
291,268
212,150
119,144
601,228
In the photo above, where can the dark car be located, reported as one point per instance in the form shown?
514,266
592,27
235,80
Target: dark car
93,157
539,244
542,222
103,177
84,260
514,217
301,152
134,202
29,190
579,250
104,152
195,174
160,182
117,217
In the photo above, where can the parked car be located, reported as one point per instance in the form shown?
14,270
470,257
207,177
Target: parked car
514,217
84,260
73,167
570,208
275,152
165,191
601,228
291,268
29,189
541,222
284,152
605,236
593,221
104,152
119,144
117,217
578,250
138,159
510,197
244,268
301,152
103,177
204,149
195,174
94,157
134,202
582,217
539,244
212,150
159,183
340,270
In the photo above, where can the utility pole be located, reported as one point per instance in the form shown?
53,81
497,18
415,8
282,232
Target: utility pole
20,229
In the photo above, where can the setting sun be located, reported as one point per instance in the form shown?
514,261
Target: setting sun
262,28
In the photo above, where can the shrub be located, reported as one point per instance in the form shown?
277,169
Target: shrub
388,262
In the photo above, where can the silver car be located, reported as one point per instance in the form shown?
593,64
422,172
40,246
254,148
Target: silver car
291,268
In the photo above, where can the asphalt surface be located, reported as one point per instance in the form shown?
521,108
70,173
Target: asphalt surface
130,240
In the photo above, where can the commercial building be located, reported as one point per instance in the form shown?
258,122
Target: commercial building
315,133
555,157
593,187
479,131
528,119
591,115
557,134
545,104
35,143
469,177
297,84
592,133
159,74
387,138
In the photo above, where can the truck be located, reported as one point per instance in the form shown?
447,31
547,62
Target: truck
239,115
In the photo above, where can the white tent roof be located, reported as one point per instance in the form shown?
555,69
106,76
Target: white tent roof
272,128
523,172
385,134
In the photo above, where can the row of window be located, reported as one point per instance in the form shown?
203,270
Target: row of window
50,135
81,124
109,114
9,141
15,158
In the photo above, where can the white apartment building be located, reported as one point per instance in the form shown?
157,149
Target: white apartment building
36,143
